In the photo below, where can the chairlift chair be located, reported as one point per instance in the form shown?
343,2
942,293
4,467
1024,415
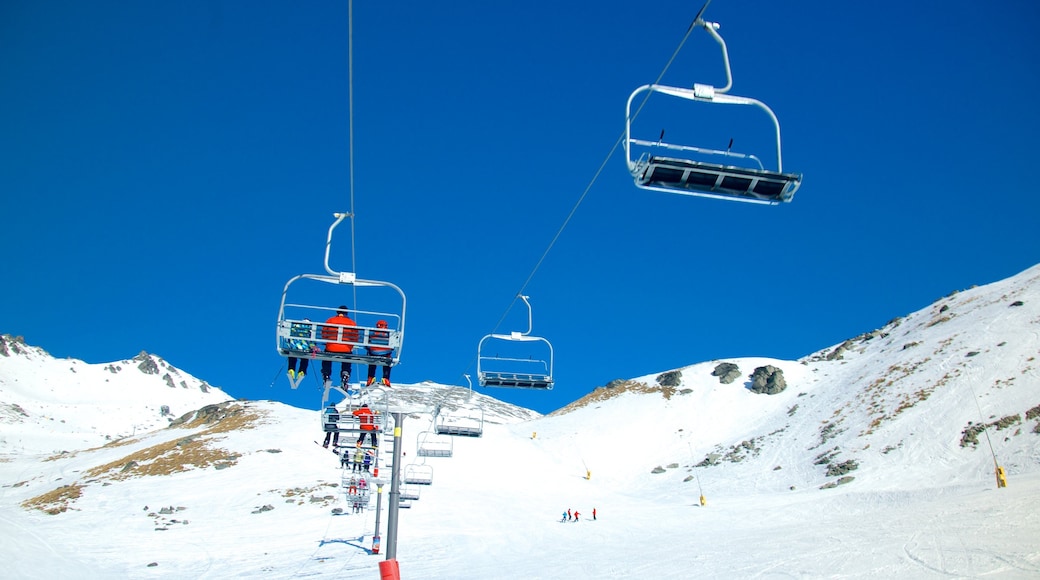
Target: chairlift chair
340,418
494,370
303,333
418,474
470,424
409,492
431,444
686,169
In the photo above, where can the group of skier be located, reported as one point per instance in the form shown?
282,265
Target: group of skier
367,423
572,516
340,334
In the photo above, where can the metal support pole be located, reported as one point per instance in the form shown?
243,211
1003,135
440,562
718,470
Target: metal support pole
395,490
379,509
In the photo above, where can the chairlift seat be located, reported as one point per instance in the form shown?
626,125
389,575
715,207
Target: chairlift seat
714,180
409,492
364,359
456,429
515,380
418,474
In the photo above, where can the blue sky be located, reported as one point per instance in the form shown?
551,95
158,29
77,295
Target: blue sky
166,168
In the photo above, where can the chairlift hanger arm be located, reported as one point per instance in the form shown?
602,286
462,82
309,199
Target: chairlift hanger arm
712,28
530,317
328,242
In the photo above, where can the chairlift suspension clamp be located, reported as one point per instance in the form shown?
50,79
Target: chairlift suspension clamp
706,92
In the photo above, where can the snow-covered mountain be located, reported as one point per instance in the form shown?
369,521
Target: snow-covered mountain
873,458
48,404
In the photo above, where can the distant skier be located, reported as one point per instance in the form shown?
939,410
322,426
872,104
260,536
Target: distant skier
568,515
368,461
359,456
593,514
563,518
576,514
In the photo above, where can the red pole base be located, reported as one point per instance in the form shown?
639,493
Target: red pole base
388,570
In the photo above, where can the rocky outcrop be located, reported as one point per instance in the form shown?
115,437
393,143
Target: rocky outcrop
727,372
768,380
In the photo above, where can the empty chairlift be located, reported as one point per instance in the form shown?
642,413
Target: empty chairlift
431,444
704,171
409,492
418,474
465,422
309,300
496,368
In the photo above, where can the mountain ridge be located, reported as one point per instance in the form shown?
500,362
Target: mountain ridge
923,408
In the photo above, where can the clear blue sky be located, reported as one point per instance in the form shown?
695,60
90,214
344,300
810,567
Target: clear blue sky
165,168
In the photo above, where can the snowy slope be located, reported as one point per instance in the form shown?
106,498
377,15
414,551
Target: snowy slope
69,404
895,415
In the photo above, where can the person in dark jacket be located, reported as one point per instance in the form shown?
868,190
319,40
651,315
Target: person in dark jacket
377,339
331,427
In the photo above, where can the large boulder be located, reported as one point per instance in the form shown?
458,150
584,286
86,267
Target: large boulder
768,380
727,372
670,379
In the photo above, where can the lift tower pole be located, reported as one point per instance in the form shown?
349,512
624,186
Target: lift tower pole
389,568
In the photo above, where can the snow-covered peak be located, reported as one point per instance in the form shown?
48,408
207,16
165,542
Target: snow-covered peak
49,404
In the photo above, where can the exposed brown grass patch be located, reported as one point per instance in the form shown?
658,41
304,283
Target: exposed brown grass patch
109,445
166,458
616,389
194,451
55,501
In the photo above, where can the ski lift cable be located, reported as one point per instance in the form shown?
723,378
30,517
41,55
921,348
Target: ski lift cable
595,177
350,138
603,165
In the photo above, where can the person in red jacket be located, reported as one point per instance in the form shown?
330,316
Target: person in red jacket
368,424
337,339
379,337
